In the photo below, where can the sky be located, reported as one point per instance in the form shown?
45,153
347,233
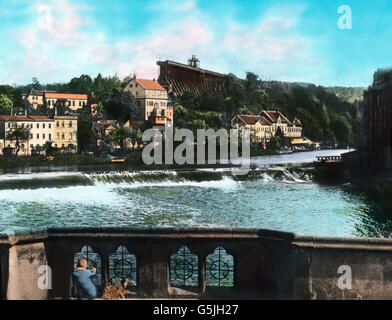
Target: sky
295,40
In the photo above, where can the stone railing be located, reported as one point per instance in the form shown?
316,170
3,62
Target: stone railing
199,263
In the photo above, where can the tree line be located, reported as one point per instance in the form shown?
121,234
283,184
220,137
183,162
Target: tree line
329,115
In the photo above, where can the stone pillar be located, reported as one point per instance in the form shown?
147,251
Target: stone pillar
23,276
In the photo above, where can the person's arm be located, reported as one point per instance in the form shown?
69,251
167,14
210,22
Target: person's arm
93,272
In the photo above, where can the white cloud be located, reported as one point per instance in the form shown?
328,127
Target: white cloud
59,43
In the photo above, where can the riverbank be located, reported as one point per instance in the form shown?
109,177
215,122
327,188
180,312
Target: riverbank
134,162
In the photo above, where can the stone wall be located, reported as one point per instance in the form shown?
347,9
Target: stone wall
267,264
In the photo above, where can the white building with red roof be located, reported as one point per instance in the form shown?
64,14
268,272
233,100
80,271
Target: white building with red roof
265,125
152,100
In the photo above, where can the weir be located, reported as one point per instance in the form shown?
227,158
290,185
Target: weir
198,263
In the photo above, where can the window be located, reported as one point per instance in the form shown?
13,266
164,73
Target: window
70,124
73,103
37,135
31,146
30,136
122,264
50,125
37,125
70,136
22,125
62,136
9,125
58,124
50,136
93,260
80,103
183,268
63,124
220,269
43,126
43,136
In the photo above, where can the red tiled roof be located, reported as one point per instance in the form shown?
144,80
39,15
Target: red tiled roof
274,115
150,84
251,119
65,96
35,118
65,117
24,118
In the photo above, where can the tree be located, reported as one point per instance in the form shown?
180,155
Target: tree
83,84
49,149
6,104
84,132
35,84
118,137
18,135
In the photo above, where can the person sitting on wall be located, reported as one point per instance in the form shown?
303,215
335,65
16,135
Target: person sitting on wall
82,280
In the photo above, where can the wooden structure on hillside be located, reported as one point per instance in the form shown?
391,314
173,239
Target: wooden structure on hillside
178,78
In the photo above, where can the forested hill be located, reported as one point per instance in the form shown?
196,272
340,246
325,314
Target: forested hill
349,94
329,114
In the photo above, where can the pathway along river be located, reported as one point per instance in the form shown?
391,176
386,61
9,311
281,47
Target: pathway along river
280,200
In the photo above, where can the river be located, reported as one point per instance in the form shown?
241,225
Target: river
283,201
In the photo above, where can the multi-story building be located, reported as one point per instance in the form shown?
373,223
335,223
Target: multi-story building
68,100
377,118
152,100
60,130
265,125
65,132
35,98
51,99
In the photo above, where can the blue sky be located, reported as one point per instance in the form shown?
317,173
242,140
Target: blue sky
296,40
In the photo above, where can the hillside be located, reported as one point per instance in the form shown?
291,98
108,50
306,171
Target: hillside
329,115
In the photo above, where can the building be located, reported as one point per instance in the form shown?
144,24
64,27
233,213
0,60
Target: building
51,99
67,100
60,130
152,100
377,117
265,125
100,129
35,98
178,78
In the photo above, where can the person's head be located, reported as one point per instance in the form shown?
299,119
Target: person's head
82,263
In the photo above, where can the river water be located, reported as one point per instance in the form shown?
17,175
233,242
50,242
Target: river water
284,201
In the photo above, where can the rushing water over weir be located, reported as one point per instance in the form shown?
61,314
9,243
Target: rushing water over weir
282,198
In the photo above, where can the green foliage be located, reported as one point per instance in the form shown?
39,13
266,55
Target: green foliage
118,136
84,132
18,135
49,149
6,104
328,115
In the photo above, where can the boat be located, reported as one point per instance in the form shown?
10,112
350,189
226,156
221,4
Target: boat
113,159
